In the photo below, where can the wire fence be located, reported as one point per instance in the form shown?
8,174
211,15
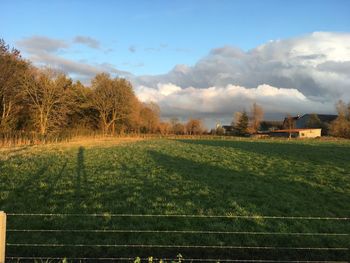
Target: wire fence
174,232
339,252
186,216
129,259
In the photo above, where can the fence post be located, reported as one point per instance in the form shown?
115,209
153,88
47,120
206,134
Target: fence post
2,236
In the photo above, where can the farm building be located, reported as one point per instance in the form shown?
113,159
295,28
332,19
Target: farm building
308,120
297,133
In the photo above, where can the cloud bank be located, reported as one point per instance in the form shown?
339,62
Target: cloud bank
219,103
298,75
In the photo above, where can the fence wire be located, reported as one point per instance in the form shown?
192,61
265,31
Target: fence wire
175,246
173,232
178,246
167,259
186,216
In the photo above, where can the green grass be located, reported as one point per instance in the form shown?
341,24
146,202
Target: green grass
200,177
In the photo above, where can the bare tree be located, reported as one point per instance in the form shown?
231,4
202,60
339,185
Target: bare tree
112,98
289,124
340,127
12,70
257,114
47,92
236,117
173,122
164,128
149,114
194,127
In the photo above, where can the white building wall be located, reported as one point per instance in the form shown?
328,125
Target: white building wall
310,133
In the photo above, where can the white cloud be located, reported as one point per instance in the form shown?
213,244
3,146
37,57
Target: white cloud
221,102
297,63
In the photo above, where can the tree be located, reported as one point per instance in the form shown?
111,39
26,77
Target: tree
82,116
48,98
164,128
257,114
194,127
149,116
236,117
173,122
340,127
133,122
113,99
289,123
179,129
12,71
242,124
219,130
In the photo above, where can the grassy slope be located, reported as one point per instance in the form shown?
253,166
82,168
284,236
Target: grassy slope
298,178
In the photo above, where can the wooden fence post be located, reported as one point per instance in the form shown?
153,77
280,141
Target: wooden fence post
2,236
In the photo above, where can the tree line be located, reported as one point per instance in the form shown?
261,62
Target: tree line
47,102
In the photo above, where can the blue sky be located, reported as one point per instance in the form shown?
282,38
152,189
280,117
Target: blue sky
151,37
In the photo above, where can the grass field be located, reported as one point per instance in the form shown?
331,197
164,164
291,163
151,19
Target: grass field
179,177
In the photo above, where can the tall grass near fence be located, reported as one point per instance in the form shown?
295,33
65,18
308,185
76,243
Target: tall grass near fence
18,139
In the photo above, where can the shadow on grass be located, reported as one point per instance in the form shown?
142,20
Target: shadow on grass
221,190
80,181
34,192
332,154
24,193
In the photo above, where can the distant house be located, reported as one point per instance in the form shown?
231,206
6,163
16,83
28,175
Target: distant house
228,129
296,133
307,121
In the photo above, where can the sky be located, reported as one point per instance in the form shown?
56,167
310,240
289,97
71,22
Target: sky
203,59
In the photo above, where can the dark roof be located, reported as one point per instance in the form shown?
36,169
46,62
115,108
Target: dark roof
324,117
272,122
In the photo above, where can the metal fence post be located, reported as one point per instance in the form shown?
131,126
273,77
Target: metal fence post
2,236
